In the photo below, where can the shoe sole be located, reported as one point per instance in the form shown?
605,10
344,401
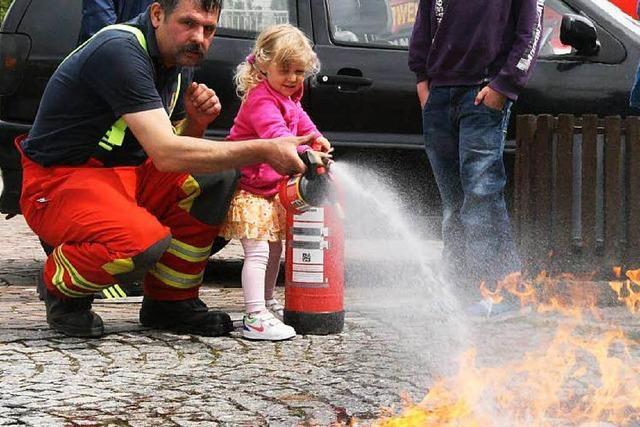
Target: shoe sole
258,337
214,331
96,332
268,339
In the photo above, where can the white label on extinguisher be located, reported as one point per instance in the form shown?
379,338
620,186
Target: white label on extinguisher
308,245
308,256
307,232
301,277
313,214
307,228
313,268
305,238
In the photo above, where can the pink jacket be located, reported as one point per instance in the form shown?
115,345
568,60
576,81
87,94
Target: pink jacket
267,113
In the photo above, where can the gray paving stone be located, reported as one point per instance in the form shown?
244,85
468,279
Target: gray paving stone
42,421
139,377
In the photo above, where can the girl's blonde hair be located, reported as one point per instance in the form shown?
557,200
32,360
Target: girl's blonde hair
284,44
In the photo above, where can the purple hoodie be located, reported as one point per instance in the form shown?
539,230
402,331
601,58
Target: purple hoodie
471,42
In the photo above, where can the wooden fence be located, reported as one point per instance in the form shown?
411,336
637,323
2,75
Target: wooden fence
576,204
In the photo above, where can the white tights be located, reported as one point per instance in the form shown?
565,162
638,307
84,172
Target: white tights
259,272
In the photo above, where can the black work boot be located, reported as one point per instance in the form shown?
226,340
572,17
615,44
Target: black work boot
71,316
185,317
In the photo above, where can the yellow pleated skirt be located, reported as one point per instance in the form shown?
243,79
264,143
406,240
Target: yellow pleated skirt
256,217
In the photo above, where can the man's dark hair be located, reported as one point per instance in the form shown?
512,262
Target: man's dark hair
208,5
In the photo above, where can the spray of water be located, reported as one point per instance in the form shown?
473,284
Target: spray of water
392,270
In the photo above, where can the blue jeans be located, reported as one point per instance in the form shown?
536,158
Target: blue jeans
465,145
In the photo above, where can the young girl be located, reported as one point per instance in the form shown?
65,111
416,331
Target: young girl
270,82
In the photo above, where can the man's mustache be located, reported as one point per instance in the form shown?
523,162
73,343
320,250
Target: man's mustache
193,48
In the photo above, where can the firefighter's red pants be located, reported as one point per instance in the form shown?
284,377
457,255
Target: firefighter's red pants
110,225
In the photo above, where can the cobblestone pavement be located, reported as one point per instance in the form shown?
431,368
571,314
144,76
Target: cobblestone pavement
139,377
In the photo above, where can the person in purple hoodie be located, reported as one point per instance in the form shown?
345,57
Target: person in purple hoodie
472,59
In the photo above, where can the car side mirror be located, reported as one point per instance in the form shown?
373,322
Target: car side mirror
579,32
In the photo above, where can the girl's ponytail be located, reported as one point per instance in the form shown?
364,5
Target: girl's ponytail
247,76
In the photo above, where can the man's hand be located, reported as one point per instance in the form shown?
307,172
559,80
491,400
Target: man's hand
201,104
423,92
282,154
491,98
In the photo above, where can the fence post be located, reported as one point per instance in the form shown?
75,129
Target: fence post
613,190
542,190
588,197
562,228
586,214
525,133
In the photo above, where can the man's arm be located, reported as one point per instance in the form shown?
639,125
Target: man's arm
420,42
419,47
517,69
96,14
172,153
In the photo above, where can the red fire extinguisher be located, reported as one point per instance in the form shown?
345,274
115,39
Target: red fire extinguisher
314,257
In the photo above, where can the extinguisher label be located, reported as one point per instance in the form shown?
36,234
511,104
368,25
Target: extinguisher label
313,214
308,246
309,268
308,256
308,278
304,231
303,238
311,244
307,231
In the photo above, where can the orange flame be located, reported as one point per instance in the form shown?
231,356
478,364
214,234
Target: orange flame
617,271
572,381
628,291
533,392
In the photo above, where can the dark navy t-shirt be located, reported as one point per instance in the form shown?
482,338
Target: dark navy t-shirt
110,76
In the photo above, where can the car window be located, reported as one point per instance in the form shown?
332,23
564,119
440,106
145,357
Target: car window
375,23
618,15
246,18
56,35
550,45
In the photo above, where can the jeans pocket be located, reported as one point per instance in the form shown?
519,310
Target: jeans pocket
493,110
436,109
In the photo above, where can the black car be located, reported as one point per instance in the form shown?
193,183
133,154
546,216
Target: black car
364,98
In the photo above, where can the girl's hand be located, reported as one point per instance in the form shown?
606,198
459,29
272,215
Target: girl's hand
325,145
322,157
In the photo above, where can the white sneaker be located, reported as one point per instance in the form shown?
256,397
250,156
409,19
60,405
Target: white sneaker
274,306
264,326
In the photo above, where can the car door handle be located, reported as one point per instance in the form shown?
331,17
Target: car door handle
342,80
